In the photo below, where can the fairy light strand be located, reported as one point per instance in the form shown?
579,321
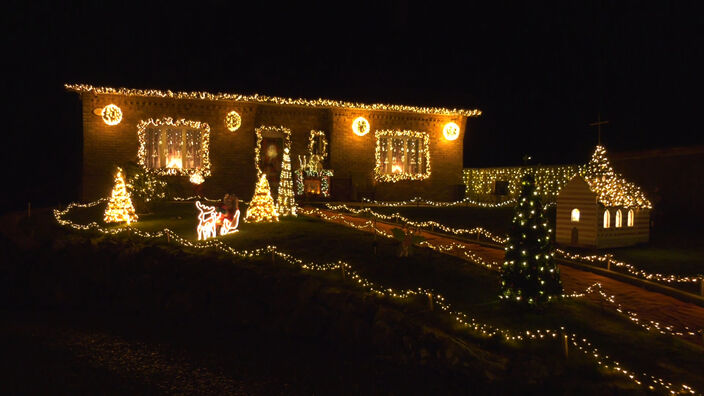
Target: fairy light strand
465,320
256,98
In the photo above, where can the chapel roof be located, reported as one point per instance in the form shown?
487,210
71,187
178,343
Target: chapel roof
610,187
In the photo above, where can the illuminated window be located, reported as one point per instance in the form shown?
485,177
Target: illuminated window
402,155
575,215
607,219
619,219
630,219
174,147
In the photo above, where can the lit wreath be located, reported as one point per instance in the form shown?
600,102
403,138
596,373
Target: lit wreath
112,115
311,143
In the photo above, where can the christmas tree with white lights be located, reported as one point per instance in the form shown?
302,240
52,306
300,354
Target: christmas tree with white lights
120,208
286,203
262,208
529,275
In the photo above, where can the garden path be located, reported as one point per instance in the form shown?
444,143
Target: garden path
650,306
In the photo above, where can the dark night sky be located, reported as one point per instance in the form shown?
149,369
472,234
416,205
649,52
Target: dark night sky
540,73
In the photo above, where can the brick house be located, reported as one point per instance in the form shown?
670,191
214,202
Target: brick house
386,152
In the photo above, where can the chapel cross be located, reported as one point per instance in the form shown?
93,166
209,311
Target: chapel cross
598,125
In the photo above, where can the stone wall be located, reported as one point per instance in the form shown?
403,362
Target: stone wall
351,157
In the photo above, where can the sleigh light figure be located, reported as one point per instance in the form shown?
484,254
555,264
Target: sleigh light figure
211,223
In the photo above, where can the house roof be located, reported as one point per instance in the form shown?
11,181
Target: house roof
256,98
610,187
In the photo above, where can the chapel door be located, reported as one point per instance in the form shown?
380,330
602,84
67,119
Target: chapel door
574,240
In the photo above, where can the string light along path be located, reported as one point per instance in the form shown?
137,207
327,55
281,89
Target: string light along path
650,310
578,342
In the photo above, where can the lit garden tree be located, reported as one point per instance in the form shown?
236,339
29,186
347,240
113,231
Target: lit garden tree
286,203
120,207
262,208
529,275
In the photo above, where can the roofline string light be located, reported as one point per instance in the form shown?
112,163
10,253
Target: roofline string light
469,323
256,98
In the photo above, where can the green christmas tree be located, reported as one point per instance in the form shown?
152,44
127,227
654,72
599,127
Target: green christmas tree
286,203
529,274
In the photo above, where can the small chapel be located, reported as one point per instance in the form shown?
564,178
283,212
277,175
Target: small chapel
598,208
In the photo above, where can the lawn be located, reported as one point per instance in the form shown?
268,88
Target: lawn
467,287
671,250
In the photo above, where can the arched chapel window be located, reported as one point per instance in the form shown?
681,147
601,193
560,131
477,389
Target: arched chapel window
575,215
630,219
607,219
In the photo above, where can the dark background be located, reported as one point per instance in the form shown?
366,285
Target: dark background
539,72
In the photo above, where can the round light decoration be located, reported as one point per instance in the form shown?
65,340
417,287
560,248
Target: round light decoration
233,121
360,126
451,131
196,178
112,115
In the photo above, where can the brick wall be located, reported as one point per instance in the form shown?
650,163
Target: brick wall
232,153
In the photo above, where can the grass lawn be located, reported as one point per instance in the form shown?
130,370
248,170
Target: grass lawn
672,249
467,287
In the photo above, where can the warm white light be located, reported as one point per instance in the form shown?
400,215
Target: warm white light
619,219
451,131
630,219
360,126
396,169
208,220
196,178
112,115
175,163
233,121
607,219
575,215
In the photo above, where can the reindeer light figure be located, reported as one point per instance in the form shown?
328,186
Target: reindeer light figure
207,220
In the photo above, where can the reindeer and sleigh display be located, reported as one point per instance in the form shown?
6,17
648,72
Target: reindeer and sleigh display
213,222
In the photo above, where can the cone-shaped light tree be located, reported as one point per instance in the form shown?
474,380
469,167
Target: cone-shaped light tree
529,275
120,208
286,203
262,208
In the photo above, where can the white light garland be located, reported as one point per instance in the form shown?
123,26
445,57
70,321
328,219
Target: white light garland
256,98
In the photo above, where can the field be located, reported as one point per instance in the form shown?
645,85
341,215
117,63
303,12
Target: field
469,288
